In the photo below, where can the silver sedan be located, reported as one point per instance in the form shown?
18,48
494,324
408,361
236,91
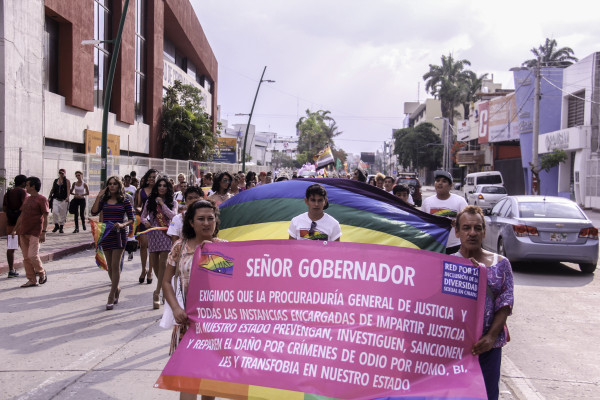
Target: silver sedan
538,228
486,196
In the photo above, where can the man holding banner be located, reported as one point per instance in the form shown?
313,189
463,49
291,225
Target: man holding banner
470,229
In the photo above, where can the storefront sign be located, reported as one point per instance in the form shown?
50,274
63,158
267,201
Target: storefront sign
564,139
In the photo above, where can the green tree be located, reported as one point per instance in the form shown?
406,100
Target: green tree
186,127
315,131
547,162
551,56
418,147
281,160
447,82
471,86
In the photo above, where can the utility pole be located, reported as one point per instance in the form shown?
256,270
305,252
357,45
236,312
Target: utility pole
535,169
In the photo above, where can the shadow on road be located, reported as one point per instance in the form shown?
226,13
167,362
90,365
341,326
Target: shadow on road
550,274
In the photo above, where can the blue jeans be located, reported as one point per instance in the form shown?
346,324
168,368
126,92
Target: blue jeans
490,367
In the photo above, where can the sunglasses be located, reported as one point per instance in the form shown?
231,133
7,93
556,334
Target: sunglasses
225,180
313,226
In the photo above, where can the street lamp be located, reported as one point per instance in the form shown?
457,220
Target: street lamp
108,91
250,117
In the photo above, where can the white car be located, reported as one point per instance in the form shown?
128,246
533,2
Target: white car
486,196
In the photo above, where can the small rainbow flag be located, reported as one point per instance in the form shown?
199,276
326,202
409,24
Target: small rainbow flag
99,231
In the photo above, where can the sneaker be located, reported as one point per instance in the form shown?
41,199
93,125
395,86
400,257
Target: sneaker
13,274
129,257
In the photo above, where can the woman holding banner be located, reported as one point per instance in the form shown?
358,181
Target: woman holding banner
159,210
114,205
200,225
470,229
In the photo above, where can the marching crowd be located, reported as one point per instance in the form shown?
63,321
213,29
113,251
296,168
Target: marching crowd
175,217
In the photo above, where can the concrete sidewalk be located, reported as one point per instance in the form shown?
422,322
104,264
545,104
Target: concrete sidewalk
56,246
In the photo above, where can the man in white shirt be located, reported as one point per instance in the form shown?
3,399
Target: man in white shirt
192,194
445,204
129,188
315,224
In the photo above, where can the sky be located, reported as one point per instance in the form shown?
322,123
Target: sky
361,60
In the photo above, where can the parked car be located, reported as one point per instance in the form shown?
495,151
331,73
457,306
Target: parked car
486,196
412,181
481,178
537,228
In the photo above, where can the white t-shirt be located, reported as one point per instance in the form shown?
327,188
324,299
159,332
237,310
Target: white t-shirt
445,208
176,226
327,228
130,189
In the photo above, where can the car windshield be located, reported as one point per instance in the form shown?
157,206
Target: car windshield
549,210
493,190
408,181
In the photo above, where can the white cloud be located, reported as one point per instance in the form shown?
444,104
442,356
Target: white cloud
363,60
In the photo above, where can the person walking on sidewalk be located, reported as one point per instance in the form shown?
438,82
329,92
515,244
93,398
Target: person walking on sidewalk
31,228
11,205
159,210
79,190
114,206
59,196
141,196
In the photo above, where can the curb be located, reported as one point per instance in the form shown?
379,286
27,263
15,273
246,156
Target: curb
51,256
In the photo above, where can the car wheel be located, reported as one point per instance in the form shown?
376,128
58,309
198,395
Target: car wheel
501,248
587,268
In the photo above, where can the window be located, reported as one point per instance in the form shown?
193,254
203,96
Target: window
51,59
140,59
102,31
575,112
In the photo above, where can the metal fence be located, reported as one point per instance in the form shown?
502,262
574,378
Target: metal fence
46,164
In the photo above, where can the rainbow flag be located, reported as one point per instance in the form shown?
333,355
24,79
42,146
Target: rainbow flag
366,214
99,231
324,158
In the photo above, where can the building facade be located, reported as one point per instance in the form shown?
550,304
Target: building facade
54,86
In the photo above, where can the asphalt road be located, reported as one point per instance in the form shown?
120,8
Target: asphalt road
59,342
554,329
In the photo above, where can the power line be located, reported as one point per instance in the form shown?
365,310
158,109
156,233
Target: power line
569,94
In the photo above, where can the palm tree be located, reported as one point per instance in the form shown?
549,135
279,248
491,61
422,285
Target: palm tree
551,56
315,131
446,82
472,85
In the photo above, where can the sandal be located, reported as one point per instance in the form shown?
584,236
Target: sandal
43,278
29,284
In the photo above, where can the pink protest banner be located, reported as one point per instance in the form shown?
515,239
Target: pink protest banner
307,319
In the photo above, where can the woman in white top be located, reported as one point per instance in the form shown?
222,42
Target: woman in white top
79,190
